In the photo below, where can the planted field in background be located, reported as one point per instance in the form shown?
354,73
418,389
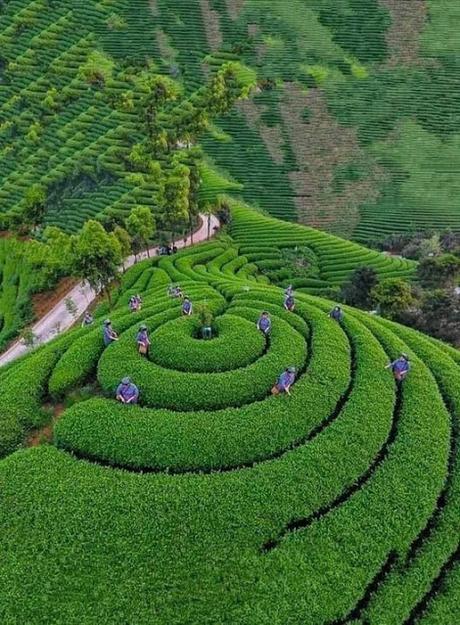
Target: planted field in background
355,127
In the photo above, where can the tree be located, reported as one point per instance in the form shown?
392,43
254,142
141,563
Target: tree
97,69
124,240
430,247
158,90
441,315
34,211
440,271
357,291
141,226
393,296
95,256
176,195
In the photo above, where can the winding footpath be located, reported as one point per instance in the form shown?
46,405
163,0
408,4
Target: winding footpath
59,319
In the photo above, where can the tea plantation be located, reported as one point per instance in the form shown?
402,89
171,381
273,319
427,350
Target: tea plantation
213,501
355,127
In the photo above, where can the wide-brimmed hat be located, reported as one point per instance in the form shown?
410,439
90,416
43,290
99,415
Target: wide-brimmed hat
107,322
291,369
405,356
143,327
126,380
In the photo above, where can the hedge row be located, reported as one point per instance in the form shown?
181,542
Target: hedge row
179,345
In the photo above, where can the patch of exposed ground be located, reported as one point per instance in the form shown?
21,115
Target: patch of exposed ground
154,7
45,434
320,145
211,21
167,52
43,302
271,136
403,36
234,8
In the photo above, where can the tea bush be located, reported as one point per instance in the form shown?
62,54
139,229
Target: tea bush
341,499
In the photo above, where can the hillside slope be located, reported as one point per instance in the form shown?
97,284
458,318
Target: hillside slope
213,501
355,129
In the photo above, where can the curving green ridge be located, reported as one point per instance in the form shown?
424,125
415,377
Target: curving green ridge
213,501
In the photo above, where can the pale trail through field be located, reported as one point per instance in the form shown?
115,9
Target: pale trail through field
59,319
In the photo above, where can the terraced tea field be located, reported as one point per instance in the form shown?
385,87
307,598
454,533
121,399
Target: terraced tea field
355,127
213,501
74,78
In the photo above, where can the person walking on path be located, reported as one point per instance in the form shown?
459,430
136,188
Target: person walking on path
264,323
108,333
143,341
336,313
127,392
400,368
285,381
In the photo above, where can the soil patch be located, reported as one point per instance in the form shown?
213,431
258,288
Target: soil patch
403,36
234,8
43,302
154,7
45,434
321,145
211,21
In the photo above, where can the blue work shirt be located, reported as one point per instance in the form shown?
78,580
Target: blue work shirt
400,366
128,391
187,307
142,337
286,379
336,314
264,324
107,335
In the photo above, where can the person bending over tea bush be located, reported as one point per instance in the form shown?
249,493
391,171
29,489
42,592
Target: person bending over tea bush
400,367
285,381
264,323
108,333
143,341
187,307
127,392
336,313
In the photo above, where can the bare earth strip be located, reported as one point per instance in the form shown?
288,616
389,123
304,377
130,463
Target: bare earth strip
212,25
271,136
168,53
319,147
154,7
234,8
403,36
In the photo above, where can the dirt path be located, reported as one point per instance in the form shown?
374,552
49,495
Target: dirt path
59,319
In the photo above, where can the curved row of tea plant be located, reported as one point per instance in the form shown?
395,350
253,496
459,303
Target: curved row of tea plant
338,503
